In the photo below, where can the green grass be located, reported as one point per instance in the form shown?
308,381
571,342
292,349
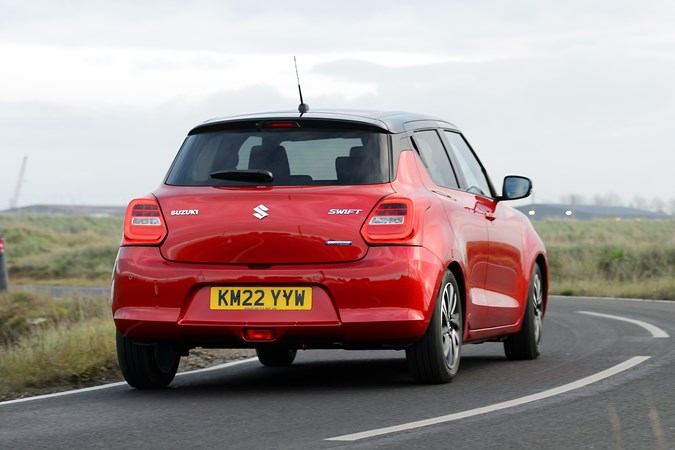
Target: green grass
60,250
48,345
633,259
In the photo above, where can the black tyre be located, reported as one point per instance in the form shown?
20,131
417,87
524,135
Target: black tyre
526,344
275,357
435,358
147,365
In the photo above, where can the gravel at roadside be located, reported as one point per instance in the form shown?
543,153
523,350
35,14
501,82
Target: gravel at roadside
200,357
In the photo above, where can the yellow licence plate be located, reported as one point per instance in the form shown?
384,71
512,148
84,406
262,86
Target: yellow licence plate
247,297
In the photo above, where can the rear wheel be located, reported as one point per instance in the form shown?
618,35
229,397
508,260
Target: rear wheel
435,357
147,365
276,357
526,344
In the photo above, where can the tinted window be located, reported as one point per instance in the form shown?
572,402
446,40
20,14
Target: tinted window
470,166
295,157
435,158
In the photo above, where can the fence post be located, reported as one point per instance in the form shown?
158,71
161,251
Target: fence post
4,279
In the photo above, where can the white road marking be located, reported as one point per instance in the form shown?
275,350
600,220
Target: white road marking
121,383
218,367
654,330
498,406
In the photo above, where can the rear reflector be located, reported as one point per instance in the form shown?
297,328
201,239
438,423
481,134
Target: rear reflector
143,223
259,334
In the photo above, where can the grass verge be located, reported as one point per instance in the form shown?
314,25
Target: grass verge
60,250
48,345
51,345
611,259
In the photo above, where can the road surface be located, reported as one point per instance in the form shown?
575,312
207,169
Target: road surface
604,380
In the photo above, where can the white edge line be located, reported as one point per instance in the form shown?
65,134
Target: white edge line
654,330
622,299
498,406
218,367
120,383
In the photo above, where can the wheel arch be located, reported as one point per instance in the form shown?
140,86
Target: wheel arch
540,260
456,269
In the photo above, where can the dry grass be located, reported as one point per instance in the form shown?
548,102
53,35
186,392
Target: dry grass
51,345
56,250
611,259
62,356
47,344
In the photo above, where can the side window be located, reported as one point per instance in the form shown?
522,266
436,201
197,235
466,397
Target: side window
430,148
476,181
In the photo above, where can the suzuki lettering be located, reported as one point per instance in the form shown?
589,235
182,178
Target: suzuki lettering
184,212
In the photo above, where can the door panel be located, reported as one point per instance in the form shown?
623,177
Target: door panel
503,274
471,232
505,277
465,218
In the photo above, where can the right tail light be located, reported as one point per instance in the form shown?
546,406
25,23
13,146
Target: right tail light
392,221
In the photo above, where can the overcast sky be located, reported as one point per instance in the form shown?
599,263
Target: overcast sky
577,95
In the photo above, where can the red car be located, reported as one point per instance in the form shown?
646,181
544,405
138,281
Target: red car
355,230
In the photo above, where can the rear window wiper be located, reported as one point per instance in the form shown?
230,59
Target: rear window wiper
263,176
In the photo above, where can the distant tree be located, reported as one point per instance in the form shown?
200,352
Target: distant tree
657,205
573,199
610,199
638,202
671,206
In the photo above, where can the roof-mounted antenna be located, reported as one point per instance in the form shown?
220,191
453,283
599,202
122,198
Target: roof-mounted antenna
303,107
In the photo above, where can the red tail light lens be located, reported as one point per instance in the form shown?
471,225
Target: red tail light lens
144,223
391,220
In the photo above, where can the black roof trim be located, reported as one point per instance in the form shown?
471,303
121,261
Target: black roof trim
389,121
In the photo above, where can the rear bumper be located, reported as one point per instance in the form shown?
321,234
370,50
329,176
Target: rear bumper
382,300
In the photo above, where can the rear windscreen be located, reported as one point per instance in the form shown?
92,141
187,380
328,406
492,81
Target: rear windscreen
294,157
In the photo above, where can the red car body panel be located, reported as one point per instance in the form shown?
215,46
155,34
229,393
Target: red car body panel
299,219
383,297
365,295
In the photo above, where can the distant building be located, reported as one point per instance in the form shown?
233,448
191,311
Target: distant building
543,211
67,210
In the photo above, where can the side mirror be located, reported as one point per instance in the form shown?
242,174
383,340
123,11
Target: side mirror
516,187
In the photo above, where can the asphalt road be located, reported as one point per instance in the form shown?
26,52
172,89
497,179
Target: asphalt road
600,383
59,292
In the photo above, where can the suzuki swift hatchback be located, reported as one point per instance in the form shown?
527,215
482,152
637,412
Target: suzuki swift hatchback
355,230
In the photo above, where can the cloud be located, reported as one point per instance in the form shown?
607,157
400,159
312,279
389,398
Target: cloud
99,95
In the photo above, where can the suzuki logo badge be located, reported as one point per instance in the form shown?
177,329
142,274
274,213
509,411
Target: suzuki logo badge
260,211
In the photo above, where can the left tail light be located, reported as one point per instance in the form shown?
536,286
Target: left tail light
144,223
